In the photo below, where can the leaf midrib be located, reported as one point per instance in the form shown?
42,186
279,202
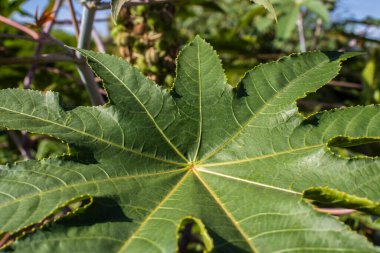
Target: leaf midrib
172,191
142,105
250,182
228,214
262,157
200,84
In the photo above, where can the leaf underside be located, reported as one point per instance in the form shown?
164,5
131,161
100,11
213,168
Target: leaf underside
238,159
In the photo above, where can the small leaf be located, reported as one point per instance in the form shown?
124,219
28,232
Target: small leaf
193,237
287,22
318,8
267,5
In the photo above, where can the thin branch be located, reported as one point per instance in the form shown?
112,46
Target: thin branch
24,37
20,27
62,73
29,76
346,84
312,103
361,22
301,33
98,41
70,22
335,211
5,239
39,59
74,20
317,32
18,142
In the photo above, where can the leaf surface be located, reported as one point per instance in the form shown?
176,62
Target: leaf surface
239,161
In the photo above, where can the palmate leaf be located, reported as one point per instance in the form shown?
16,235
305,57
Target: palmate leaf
237,160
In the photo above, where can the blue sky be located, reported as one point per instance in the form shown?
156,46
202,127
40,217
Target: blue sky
347,9
64,14
358,9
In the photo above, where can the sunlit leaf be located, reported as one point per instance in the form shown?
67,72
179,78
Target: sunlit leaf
235,160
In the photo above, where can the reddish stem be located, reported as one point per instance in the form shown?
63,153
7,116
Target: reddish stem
335,211
20,27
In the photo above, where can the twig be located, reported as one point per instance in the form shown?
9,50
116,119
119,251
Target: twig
312,103
346,84
361,22
131,3
98,41
70,22
16,139
73,17
23,37
62,73
39,59
29,77
335,211
6,239
317,32
20,27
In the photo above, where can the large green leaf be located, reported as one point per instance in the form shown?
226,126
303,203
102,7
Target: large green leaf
232,161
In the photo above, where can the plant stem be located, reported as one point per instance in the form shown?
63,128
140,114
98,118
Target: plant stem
98,41
70,22
317,32
301,33
346,84
335,211
23,37
86,75
29,77
20,27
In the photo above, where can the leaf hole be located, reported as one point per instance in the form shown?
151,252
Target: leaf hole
73,207
349,147
193,237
